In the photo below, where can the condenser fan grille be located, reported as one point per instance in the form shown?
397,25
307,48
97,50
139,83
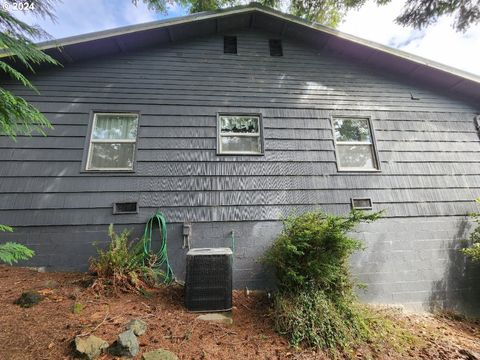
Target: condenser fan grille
208,284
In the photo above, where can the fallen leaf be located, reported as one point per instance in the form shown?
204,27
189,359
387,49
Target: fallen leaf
45,292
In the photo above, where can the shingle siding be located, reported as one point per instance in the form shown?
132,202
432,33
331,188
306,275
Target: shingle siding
428,149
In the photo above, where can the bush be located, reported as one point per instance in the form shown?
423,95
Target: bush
313,250
124,265
473,251
315,304
11,252
312,318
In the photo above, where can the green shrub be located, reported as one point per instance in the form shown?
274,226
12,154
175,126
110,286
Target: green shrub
11,252
313,250
316,304
5,228
312,318
124,264
473,251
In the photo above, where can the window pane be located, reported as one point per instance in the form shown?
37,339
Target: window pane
352,130
115,127
240,144
111,156
356,156
239,124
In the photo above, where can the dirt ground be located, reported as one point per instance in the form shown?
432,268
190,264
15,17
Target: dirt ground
46,330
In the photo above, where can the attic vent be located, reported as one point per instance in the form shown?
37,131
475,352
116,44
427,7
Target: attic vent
229,44
362,203
275,47
125,208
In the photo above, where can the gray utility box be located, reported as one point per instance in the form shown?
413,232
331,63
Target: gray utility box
208,282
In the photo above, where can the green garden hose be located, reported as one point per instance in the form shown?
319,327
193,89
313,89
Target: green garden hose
162,255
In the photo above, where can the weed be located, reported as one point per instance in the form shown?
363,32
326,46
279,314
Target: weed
124,265
473,242
77,308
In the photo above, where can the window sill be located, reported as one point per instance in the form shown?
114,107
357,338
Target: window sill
107,171
240,154
373,171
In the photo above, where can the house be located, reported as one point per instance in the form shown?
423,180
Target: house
231,120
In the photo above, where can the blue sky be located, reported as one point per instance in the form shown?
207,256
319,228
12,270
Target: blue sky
76,17
438,42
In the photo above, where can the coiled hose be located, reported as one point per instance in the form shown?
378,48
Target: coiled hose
161,262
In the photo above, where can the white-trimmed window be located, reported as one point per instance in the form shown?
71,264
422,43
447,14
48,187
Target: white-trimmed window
240,134
112,142
354,144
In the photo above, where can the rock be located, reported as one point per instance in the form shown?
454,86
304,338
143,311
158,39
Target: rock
28,299
138,327
224,318
90,346
159,354
126,345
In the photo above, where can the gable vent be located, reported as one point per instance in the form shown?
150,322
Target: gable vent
229,44
275,47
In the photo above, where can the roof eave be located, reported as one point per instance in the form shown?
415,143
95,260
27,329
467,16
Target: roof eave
250,8
409,65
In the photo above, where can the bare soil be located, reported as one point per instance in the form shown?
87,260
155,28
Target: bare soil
46,330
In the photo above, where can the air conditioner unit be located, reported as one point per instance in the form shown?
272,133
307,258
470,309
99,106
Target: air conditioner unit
208,282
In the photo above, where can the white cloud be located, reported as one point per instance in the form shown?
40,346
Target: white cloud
438,42
443,44
137,14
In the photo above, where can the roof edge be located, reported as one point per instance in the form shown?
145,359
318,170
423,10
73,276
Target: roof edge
58,43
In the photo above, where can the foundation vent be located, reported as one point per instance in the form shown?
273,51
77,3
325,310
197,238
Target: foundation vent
362,203
125,208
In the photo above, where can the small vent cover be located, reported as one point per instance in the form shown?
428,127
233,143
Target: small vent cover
208,281
229,44
362,203
125,208
275,47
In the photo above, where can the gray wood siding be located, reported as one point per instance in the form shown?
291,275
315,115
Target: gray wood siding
429,150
